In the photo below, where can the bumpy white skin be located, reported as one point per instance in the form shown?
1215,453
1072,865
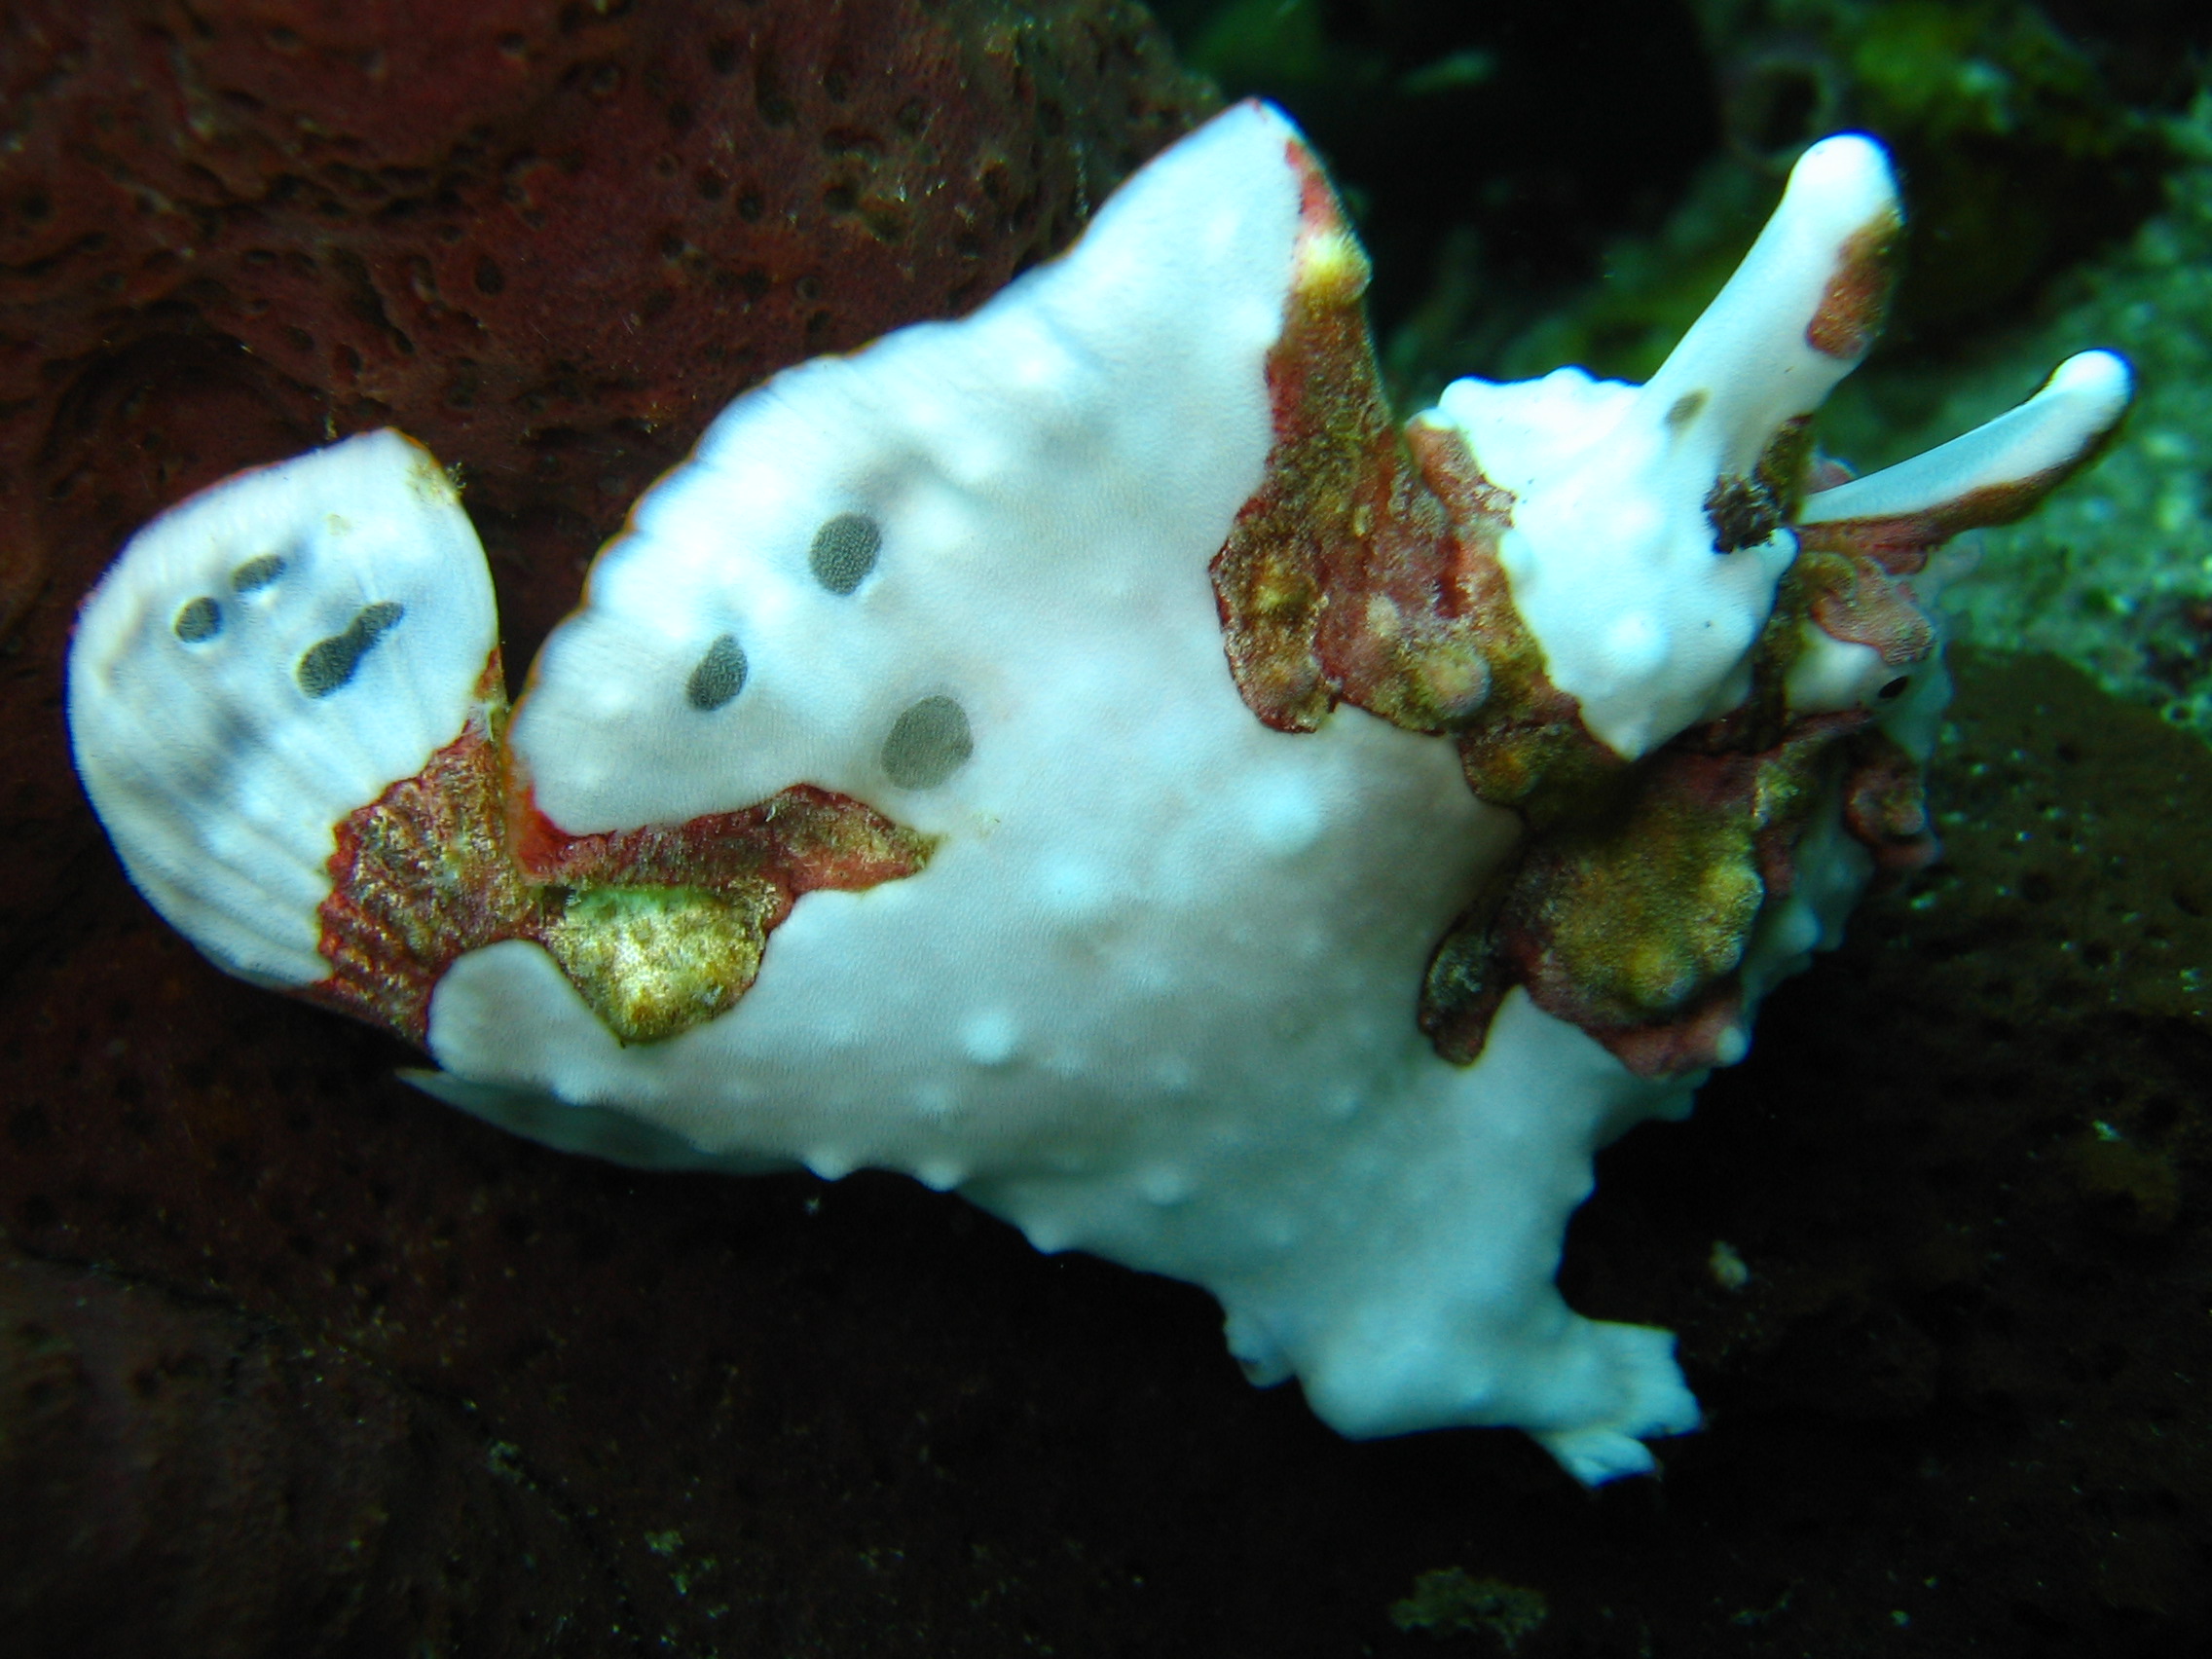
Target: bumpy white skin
1610,480
219,764
1153,996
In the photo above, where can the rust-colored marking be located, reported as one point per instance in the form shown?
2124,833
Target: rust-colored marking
1901,543
659,927
1631,923
1857,297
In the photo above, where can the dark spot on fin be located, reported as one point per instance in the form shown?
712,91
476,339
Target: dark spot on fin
928,744
329,664
720,675
201,619
257,574
844,551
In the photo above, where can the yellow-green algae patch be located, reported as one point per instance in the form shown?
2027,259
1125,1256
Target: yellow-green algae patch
655,961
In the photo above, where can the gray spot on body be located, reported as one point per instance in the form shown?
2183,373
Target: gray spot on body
928,744
201,619
328,664
720,675
257,574
844,551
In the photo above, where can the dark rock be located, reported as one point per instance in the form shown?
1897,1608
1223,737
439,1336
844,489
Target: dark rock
183,1480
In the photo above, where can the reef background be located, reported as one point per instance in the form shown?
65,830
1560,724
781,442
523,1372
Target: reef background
296,1361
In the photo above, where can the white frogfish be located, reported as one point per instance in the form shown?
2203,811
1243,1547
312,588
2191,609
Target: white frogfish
1090,757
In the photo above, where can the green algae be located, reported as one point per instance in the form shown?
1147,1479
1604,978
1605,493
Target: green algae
1452,1601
